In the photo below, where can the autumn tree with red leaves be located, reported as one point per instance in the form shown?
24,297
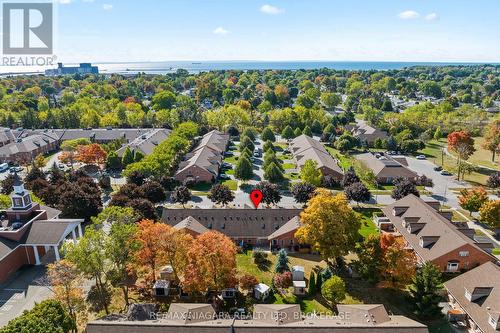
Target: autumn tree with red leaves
461,143
212,264
91,154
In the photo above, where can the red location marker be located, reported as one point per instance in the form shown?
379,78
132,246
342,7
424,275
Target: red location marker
256,197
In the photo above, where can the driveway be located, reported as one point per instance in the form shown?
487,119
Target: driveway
21,293
442,184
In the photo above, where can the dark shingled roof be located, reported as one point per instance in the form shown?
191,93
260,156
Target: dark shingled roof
485,276
258,223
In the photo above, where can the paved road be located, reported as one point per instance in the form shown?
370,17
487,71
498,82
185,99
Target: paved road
21,293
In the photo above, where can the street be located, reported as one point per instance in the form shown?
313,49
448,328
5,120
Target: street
21,293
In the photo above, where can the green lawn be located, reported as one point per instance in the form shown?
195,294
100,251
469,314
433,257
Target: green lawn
292,176
231,183
434,152
496,251
231,159
367,225
482,156
288,166
344,161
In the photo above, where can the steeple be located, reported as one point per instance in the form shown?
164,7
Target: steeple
21,198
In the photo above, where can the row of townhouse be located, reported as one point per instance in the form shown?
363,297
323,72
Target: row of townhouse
202,164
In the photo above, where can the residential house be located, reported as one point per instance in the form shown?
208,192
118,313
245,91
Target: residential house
386,168
271,228
474,298
147,142
25,149
306,148
433,237
271,318
31,233
366,133
203,163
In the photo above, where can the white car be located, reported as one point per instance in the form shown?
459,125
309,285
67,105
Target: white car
421,157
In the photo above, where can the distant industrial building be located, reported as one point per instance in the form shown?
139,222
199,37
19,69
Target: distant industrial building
84,68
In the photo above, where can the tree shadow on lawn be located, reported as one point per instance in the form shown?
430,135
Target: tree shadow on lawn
196,198
305,256
395,300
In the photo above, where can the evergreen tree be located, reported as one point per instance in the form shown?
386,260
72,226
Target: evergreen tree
128,157
282,262
113,161
287,132
319,281
437,134
424,291
312,284
268,146
297,132
139,155
246,142
243,170
273,173
307,131
268,135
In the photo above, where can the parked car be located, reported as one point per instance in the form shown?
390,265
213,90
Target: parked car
438,168
224,176
4,167
228,153
226,165
421,157
16,169
445,173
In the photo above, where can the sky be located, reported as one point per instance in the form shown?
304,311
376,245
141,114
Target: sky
327,30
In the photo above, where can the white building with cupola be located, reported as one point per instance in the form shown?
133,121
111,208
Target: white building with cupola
32,233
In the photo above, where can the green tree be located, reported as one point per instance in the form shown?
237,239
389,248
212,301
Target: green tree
128,157
369,258
243,170
89,258
307,131
221,194
113,161
424,291
333,290
282,263
164,100
273,173
312,284
246,142
297,132
268,135
438,134
138,156
120,248
310,173
46,317
287,133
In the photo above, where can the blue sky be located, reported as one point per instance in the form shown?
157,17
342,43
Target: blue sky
337,30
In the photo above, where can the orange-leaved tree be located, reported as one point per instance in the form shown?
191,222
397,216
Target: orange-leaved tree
462,143
150,254
472,199
212,264
91,154
174,246
399,263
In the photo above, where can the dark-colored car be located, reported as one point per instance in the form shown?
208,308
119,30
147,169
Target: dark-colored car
438,168
445,173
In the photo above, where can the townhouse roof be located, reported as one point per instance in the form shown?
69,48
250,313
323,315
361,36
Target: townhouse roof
386,166
292,225
419,223
273,317
146,142
241,222
487,278
27,144
363,130
306,148
190,223
208,153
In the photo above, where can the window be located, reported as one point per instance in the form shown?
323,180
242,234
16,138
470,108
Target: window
18,202
452,266
463,253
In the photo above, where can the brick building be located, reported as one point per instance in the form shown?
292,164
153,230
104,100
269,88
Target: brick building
268,228
433,237
31,234
305,148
